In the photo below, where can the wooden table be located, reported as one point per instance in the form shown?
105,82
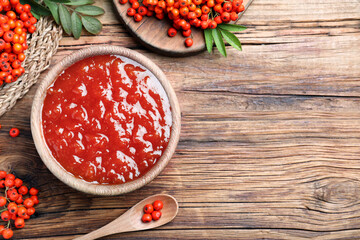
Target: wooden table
270,142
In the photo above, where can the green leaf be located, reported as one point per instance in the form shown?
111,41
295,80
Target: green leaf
219,41
54,9
231,27
65,18
35,15
92,25
231,39
208,39
76,25
37,8
90,10
79,2
60,1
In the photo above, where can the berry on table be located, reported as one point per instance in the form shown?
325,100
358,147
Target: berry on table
14,132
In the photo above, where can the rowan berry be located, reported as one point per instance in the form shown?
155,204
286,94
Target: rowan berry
137,17
12,208
233,16
123,1
187,26
19,200
24,16
3,201
225,17
14,132
23,190
156,215
186,33
148,208
35,200
28,203
8,36
142,11
213,24
13,194
3,174
30,211
22,211
218,20
19,222
146,218
227,7
5,216
21,57
32,29
7,233
131,12
27,8
33,191
172,32
158,204
188,42
204,24
11,15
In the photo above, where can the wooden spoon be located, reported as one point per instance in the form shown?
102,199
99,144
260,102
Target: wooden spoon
131,220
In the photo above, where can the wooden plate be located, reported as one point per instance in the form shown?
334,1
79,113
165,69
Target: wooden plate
152,33
52,164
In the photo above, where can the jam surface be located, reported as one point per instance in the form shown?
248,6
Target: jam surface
106,119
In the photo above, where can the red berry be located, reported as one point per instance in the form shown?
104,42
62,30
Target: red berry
131,12
3,201
35,200
156,215
186,33
148,208
7,233
3,174
18,182
22,211
146,218
33,191
12,207
158,204
28,203
23,190
213,24
172,32
14,132
5,216
19,222
137,17
9,183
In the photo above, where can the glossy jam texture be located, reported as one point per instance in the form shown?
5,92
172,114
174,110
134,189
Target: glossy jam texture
106,119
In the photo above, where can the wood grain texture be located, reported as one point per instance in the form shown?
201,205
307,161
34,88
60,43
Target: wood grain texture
269,147
152,33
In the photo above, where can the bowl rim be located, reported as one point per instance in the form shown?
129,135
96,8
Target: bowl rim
54,166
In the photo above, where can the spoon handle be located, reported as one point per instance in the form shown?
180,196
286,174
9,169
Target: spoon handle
119,225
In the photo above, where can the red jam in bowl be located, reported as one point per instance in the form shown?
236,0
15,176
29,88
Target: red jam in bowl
106,119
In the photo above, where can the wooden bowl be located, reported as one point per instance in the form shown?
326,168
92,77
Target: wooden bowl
51,162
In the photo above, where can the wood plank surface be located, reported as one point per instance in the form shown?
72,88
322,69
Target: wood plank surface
269,147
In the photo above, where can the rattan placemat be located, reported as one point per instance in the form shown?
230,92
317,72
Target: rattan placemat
43,44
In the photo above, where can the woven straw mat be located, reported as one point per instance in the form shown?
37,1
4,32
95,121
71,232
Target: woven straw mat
43,44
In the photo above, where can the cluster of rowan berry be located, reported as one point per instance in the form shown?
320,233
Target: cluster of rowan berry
14,26
186,13
152,211
16,207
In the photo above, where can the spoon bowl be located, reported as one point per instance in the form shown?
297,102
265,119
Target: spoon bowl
131,220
